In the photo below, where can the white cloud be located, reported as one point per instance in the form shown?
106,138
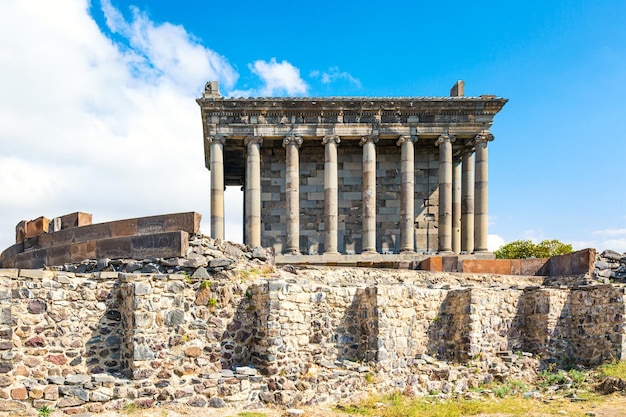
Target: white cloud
494,242
88,124
335,74
279,78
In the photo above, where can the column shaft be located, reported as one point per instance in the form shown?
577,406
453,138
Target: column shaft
292,194
217,186
330,194
456,205
467,204
445,193
368,192
481,226
253,191
407,194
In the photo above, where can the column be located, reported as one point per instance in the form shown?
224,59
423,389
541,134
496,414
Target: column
481,227
445,193
467,203
368,194
292,194
330,194
456,205
407,194
216,165
253,191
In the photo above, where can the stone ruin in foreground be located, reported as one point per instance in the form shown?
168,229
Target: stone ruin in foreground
147,310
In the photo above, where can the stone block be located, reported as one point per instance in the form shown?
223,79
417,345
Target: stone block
83,250
116,247
433,263
188,222
160,245
37,227
124,228
92,232
58,255
20,231
488,266
30,260
77,219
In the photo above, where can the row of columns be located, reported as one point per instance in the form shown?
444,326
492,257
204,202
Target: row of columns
463,193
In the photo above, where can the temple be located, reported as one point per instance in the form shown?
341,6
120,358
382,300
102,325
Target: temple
353,175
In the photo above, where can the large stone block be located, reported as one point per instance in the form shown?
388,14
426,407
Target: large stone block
188,222
160,245
77,219
115,247
83,250
37,227
434,263
487,266
124,228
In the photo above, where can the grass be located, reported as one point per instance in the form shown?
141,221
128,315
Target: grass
397,405
254,272
251,414
615,369
44,411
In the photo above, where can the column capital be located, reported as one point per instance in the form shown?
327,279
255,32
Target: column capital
445,138
255,140
406,139
292,140
331,138
369,138
483,138
216,139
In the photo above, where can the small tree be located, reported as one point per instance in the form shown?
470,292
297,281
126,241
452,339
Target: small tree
523,249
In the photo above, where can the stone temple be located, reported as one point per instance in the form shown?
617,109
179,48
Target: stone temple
332,176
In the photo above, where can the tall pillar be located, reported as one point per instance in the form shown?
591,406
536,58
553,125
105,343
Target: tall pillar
445,193
330,194
217,186
368,194
407,194
467,203
481,227
456,205
292,194
253,191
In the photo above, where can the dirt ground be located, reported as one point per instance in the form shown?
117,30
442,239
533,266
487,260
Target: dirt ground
615,406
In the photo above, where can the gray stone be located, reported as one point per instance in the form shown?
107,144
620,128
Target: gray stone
143,353
77,379
216,402
259,253
103,378
56,380
174,317
245,370
99,397
143,288
74,391
201,274
612,255
176,287
220,262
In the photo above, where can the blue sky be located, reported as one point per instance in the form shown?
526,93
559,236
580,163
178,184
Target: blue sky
97,108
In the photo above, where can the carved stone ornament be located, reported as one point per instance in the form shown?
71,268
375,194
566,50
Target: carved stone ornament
292,140
216,139
255,140
330,138
366,139
483,138
447,138
405,139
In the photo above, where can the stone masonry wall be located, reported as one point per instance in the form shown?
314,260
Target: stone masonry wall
349,206
94,341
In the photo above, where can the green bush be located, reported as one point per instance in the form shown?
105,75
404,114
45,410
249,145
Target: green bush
523,249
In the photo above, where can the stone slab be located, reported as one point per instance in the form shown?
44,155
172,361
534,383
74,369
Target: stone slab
576,263
77,219
37,227
159,245
188,222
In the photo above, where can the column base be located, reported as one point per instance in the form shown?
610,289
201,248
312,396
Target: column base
407,251
368,252
293,252
445,252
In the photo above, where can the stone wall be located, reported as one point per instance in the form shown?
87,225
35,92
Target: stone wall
86,342
164,236
349,175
